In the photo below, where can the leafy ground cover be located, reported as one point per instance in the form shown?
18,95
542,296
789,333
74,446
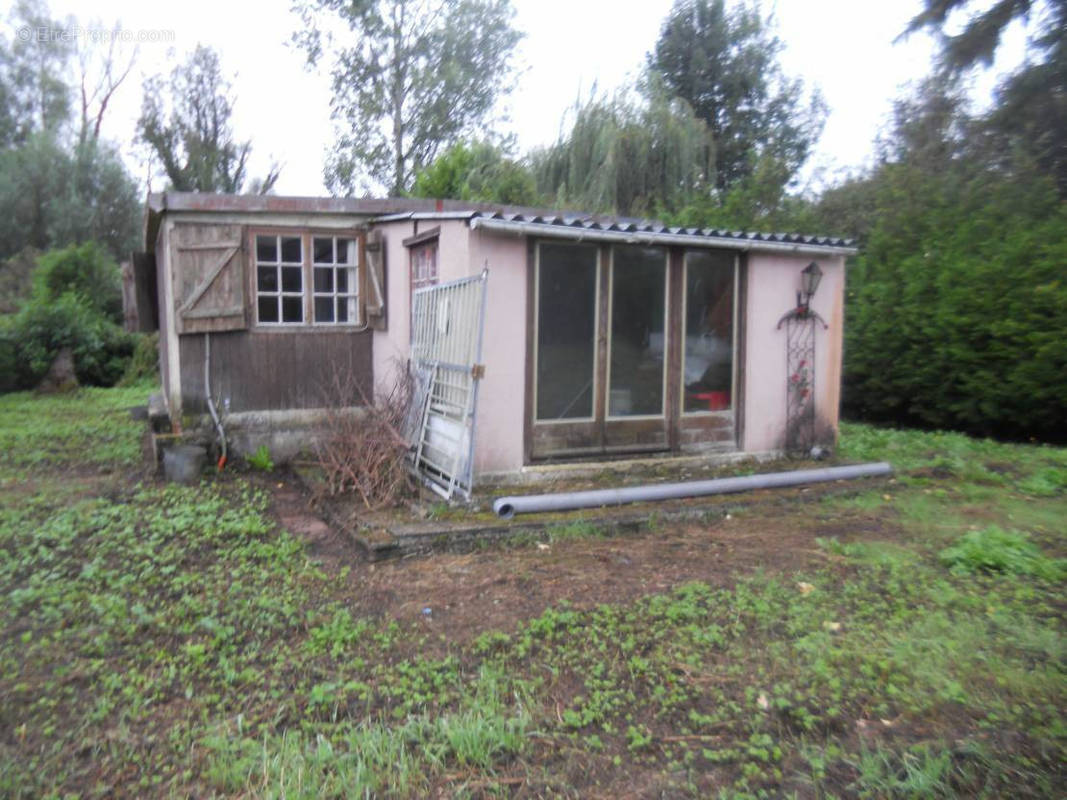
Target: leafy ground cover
906,640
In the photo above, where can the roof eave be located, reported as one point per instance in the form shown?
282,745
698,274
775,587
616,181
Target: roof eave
656,237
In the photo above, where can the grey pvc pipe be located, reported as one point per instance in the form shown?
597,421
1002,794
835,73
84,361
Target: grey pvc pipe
508,507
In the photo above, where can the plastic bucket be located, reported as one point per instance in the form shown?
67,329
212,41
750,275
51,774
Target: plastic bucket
184,463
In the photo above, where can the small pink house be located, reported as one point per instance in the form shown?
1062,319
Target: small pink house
603,337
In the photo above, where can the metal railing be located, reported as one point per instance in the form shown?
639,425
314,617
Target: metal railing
447,329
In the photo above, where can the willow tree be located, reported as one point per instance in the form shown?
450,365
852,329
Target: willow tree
628,155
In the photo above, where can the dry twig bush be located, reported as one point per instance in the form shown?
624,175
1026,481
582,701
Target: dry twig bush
365,452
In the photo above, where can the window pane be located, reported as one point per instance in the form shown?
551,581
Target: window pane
268,309
323,249
323,279
638,297
709,331
292,309
342,280
342,251
291,250
566,302
323,309
267,279
291,279
424,265
342,308
266,248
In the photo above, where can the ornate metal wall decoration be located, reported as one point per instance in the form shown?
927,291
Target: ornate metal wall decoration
800,325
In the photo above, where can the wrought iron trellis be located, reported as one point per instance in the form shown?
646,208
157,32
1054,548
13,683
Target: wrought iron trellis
800,324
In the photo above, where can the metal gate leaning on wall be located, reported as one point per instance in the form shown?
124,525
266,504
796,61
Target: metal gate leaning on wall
447,327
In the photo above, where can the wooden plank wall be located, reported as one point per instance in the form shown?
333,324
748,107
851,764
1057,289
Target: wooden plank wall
273,370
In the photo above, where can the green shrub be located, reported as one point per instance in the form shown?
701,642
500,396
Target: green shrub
16,279
100,348
10,379
76,303
85,270
477,171
144,363
1045,482
956,311
994,549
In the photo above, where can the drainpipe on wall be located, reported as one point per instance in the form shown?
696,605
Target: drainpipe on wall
211,403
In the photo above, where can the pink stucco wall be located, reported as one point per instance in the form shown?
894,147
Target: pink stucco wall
773,281
453,253
461,253
390,347
498,447
772,284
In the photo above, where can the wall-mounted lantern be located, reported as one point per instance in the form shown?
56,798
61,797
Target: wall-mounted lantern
809,282
810,277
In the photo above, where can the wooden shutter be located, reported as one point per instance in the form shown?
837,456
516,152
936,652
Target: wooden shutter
208,269
375,283
143,314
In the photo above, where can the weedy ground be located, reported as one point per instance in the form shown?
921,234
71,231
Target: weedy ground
904,641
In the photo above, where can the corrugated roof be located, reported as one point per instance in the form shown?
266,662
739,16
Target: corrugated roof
546,222
586,222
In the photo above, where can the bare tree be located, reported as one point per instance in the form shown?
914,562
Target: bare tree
98,84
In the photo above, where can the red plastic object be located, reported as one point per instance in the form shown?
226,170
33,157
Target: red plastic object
717,401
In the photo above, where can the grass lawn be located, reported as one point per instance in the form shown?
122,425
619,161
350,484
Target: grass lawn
906,640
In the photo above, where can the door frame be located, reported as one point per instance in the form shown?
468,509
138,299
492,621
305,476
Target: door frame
711,430
642,430
684,432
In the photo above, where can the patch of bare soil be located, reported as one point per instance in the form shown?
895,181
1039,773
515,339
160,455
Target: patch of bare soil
459,596
472,593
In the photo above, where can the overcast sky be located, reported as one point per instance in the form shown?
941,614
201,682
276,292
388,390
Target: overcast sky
844,47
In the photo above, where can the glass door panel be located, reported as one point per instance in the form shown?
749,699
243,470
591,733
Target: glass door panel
638,346
708,357
566,331
638,339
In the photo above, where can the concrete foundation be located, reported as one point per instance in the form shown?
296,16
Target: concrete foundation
532,475
287,435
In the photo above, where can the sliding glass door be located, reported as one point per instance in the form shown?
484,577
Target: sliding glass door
632,347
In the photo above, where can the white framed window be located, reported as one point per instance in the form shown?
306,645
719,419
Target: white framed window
424,265
306,279
279,280
335,285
